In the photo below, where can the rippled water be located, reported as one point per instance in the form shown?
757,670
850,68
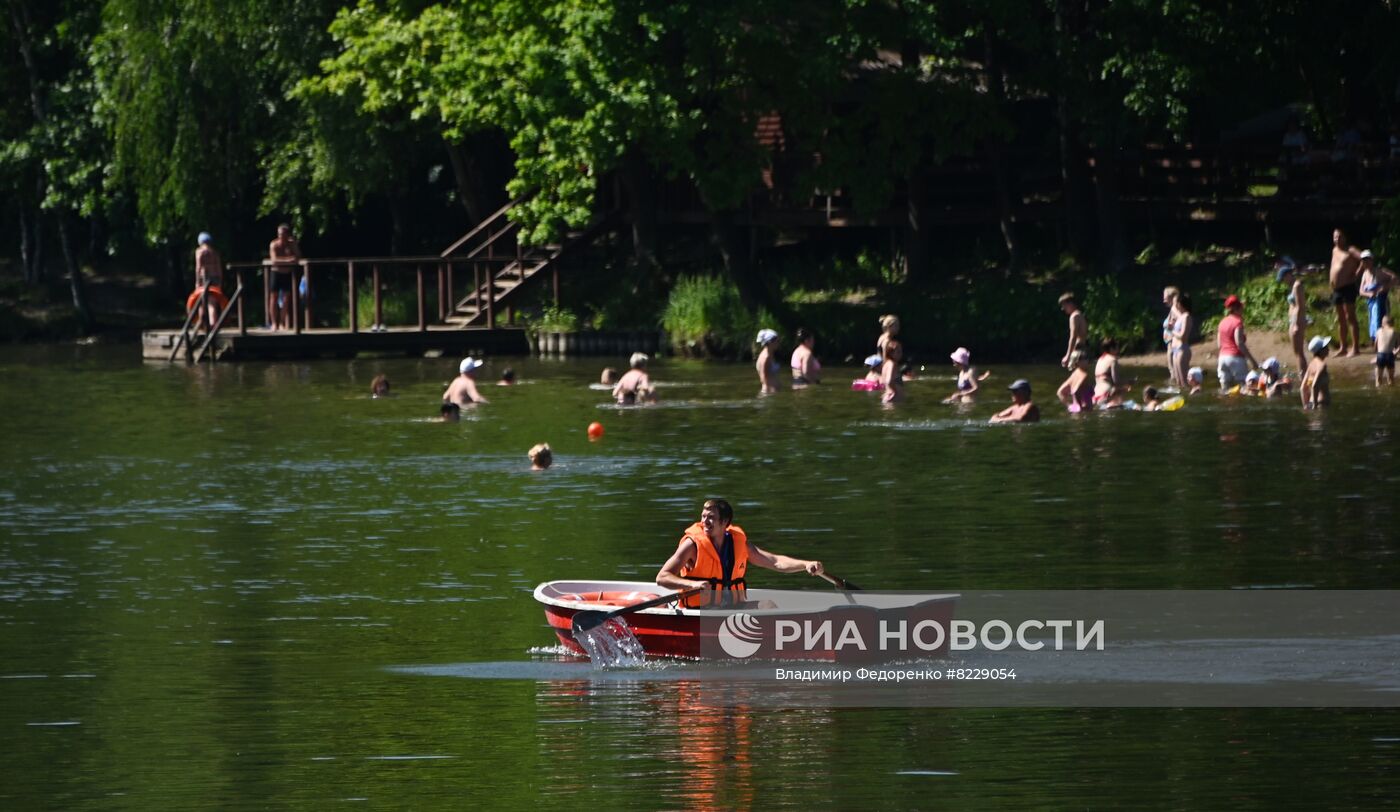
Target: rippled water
251,586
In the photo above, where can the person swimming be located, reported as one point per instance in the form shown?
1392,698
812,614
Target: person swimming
871,381
968,378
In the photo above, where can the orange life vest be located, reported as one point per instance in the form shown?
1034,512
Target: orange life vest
708,567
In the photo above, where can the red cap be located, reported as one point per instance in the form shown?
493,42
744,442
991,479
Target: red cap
1232,301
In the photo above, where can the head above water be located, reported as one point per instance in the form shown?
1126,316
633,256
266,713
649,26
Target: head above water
638,360
765,337
508,375
469,365
1020,390
541,457
379,386
1318,345
890,324
205,238
804,335
1195,375
450,412
962,356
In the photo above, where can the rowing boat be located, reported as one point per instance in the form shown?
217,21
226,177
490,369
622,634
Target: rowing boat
675,631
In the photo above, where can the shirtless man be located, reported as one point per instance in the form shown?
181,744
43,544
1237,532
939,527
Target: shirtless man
462,391
283,254
1345,277
1078,326
208,273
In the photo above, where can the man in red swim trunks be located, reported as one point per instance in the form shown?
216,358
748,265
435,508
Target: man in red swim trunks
1345,277
715,552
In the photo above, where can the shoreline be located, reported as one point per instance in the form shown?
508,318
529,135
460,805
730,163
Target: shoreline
1262,344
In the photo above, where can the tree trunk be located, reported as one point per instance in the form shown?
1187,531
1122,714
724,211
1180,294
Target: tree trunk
473,188
641,200
996,158
1108,167
735,243
1074,175
915,229
75,276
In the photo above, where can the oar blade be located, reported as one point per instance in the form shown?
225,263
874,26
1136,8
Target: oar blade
589,619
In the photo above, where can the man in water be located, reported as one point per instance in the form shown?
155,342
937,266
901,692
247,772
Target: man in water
209,273
283,254
1345,277
1021,410
462,391
715,552
1078,326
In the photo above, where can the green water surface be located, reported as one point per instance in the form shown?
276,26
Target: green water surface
229,586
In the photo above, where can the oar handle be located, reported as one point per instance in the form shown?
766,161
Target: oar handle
664,599
840,583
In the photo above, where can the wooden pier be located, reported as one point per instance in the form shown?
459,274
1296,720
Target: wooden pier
325,342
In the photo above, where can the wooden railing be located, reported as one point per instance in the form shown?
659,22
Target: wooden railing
435,278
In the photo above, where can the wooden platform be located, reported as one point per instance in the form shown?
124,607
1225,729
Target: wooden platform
323,342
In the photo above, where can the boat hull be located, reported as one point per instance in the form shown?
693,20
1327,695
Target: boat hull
669,631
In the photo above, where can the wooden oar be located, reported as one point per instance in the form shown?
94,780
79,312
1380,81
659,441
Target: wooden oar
593,618
840,583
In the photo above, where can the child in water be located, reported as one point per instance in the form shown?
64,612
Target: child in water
1385,352
1271,378
871,381
540,457
1195,376
1316,388
1253,384
1150,401
968,378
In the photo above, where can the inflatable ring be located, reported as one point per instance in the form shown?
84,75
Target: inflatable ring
216,296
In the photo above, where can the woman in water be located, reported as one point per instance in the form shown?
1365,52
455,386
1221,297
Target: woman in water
889,371
805,366
1179,352
1170,297
1077,392
635,385
1107,383
767,363
889,327
967,377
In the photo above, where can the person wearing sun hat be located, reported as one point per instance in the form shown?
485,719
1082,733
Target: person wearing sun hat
1271,379
1022,409
968,379
1234,358
767,363
871,381
1316,389
462,391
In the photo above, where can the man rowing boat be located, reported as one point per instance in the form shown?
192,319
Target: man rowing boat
715,552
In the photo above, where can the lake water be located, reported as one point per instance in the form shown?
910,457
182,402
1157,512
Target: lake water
252,586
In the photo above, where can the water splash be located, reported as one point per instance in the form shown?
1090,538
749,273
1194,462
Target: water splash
612,645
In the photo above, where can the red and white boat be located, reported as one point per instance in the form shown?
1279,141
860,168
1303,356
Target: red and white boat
675,631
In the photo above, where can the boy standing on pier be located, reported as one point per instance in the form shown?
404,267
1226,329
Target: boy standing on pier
283,255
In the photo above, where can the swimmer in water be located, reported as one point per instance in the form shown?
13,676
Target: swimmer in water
635,385
767,363
540,457
379,387
805,366
968,378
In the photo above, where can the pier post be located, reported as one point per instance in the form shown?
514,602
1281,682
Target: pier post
354,305
242,325
378,301
422,306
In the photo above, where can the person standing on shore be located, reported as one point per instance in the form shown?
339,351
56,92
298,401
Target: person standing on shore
283,255
209,274
1375,287
1179,349
1234,358
1078,326
1289,274
1170,297
1346,286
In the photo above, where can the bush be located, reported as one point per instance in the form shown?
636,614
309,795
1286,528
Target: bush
1116,314
553,319
705,317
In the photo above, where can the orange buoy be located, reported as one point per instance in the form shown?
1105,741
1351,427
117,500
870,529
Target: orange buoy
595,430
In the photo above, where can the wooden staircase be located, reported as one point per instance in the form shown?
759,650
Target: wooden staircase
501,264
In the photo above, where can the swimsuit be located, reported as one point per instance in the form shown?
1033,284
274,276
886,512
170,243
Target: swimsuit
1385,359
1346,294
1378,307
964,381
